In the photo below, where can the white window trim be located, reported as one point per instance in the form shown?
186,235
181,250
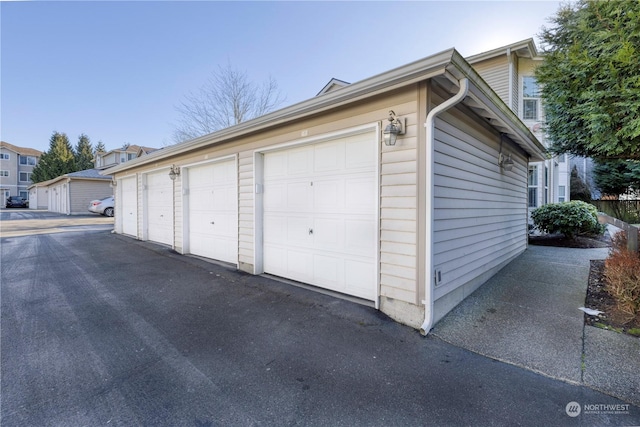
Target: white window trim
528,98
532,186
35,161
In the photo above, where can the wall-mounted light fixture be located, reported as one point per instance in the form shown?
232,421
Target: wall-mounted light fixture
174,172
505,162
114,183
393,129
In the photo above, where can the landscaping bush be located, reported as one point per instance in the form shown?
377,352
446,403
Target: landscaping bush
622,273
569,218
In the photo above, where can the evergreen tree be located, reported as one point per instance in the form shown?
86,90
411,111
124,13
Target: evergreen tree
58,160
616,177
591,79
579,189
84,153
100,148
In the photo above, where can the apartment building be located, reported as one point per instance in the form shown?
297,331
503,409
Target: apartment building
16,166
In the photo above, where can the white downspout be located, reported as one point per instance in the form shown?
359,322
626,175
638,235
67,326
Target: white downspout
429,200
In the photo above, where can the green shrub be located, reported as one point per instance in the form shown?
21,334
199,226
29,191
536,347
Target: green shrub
569,218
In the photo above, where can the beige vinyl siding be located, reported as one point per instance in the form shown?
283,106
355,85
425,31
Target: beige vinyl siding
82,192
398,213
495,72
480,211
515,101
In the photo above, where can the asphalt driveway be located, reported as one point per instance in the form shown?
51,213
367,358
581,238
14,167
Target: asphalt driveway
101,329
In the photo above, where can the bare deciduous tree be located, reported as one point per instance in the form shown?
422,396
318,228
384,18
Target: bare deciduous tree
226,99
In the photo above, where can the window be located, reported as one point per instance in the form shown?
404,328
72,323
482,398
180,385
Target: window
24,195
562,193
4,156
28,160
131,156
562,158
533,186
530,98
4,173
25,176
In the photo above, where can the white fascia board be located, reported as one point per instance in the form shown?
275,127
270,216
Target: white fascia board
523,44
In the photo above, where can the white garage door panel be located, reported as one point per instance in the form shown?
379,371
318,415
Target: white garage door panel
212,206
320,215
357,195
129,207
160,208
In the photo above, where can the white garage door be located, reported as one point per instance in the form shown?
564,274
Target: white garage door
320,214
129,206
159,209
212,205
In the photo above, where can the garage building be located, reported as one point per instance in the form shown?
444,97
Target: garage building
313,193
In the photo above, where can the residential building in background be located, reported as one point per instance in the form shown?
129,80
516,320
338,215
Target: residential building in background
16,166
509,70
120,155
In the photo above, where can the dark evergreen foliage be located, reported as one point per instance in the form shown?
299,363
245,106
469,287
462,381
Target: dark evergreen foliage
58,160
616,177
84,153
591,79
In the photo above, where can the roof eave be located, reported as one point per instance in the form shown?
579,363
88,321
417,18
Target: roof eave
528,44
419,70
489,105
448,61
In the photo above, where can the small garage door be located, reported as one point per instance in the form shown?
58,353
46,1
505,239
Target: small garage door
129,208
159,208
212,211
320,214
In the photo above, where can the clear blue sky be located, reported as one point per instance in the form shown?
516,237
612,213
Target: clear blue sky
116,70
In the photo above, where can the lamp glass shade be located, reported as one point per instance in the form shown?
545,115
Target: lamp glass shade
390,134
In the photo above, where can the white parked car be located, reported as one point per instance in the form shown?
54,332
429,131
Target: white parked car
102,206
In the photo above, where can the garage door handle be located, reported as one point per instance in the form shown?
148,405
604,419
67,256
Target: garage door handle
311,231
212,222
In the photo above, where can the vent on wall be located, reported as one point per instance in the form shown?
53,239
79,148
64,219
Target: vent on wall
438,276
